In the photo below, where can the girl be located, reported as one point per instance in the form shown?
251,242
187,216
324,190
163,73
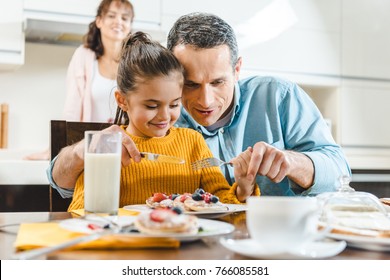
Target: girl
150,82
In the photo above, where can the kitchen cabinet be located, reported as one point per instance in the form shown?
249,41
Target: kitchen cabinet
365,39
283,37
11,36
365,136
298,37
327,99
146,11
364,111
71,17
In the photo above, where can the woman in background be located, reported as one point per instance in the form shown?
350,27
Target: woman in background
92,71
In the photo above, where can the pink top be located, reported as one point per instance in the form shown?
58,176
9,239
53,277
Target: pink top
78,86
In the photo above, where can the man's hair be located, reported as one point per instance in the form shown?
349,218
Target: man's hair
203,31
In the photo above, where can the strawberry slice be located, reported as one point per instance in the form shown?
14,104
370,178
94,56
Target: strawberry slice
185,196
157,197
160,215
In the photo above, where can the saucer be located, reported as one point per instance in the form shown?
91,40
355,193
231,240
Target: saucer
311,250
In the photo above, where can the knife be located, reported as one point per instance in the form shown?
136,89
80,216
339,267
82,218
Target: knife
162,158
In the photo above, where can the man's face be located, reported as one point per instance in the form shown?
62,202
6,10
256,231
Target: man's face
209,82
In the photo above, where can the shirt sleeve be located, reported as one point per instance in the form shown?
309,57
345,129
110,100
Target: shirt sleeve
65,193
307,132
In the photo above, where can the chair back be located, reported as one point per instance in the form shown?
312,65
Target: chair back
62,134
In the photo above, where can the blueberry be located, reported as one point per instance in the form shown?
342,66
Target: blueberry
178,210
214,199
174,196
197,197
200,191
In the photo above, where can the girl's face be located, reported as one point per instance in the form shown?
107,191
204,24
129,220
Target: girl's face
116,23
154,106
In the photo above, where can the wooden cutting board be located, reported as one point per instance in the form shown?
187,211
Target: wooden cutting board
4,126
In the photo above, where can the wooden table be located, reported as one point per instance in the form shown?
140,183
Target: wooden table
195,250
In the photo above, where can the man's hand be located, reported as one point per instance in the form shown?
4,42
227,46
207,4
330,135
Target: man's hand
70,161
275,164
129,149
244,181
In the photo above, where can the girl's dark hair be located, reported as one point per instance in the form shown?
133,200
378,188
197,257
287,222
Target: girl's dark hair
142,60
92,40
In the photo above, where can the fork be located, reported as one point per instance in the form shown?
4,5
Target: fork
208,162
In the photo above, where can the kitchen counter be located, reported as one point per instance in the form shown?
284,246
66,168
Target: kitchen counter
16,171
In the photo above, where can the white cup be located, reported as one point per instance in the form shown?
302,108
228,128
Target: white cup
102,170
282,224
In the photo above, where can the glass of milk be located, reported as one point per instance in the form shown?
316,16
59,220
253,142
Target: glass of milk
102,171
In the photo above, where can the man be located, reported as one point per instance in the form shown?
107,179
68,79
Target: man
293,152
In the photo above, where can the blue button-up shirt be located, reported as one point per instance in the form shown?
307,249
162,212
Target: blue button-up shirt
280,113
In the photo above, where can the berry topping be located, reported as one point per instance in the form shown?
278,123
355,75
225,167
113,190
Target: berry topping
197,197
173,196
200,191
178,210
160,215
157,197
214,199
185,197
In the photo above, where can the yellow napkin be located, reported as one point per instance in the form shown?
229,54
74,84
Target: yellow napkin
35,235
121,212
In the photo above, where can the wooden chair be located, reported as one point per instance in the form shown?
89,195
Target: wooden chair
62,134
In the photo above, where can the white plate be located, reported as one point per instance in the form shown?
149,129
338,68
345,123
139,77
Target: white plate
232,208
311,250
364,242
138,207
82,224
210,228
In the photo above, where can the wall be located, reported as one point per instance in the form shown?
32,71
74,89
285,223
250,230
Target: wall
35,93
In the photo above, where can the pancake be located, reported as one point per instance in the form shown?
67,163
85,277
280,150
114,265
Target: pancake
163,221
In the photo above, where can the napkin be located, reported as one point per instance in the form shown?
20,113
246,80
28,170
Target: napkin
36,235
121,212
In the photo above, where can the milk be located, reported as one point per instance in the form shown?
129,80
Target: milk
102,182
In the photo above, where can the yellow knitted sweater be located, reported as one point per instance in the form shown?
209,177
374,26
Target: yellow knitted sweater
140,180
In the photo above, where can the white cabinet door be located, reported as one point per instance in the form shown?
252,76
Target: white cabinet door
365,114
73,16
301,36
146,11
64,7
296,36
366,39
11,35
